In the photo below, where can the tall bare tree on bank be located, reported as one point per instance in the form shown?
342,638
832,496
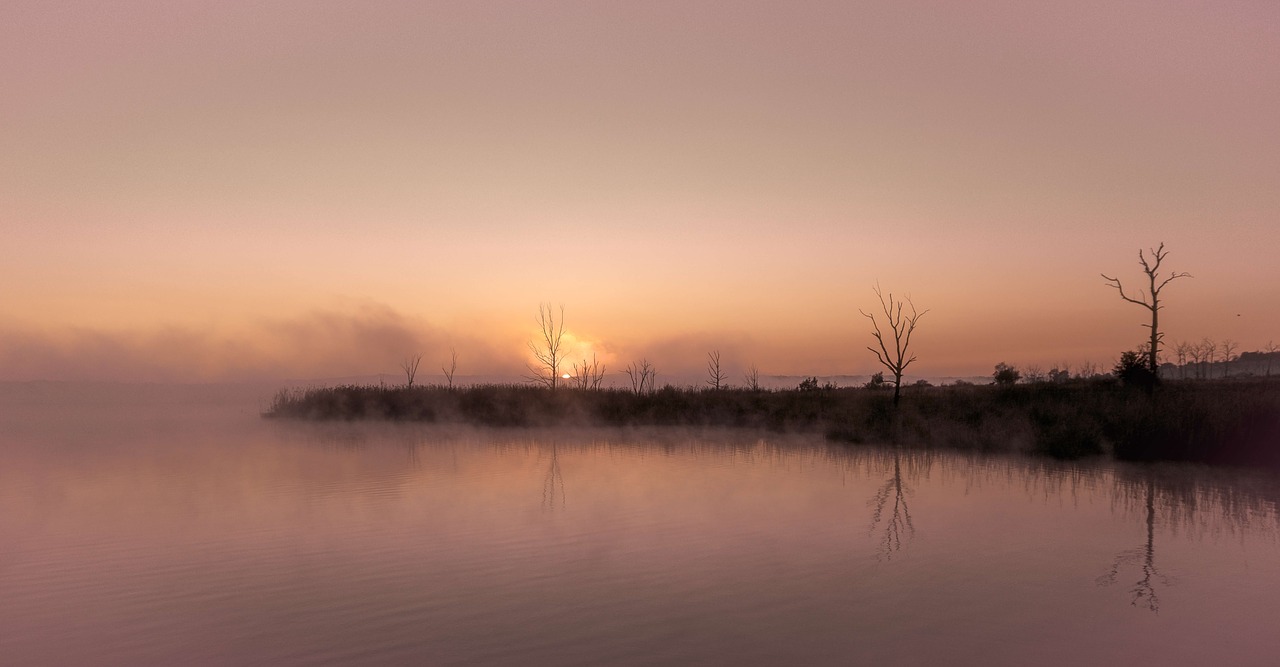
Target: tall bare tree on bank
1271,350
410,367
1152,269
752,378
547,347
715,374
453,366
901,325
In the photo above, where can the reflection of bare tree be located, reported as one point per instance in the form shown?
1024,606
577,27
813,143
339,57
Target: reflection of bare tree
553,484
1144,590
892,496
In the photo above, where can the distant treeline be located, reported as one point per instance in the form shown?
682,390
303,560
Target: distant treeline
1236,422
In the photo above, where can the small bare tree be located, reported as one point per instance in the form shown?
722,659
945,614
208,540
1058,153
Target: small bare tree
1152,269
548,347
715,374
1196,352
1271,350
588,375
1209,350
451,368
410,367
752,378
1228,348
642,376
1181,350
901,325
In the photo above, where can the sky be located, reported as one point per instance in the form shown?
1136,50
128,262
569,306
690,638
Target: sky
224,190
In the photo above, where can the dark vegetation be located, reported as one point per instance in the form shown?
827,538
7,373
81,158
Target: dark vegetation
1132,413
1229,422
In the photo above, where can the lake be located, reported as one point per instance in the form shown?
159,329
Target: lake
172,525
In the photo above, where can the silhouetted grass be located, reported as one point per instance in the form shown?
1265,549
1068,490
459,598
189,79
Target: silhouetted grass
1235,422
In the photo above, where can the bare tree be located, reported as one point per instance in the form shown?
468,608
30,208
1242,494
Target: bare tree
547,348
588,375
1034,374
1228,348
752,378
902,325
1152,269
642,375
715,374
1182,349
453,367
1271,350
1196,352
1209,350
410,367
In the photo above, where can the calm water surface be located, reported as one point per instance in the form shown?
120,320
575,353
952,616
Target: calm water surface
167,526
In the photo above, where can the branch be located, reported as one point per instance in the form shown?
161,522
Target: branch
1115,282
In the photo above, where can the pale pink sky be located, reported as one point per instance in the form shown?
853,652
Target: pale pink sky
224,190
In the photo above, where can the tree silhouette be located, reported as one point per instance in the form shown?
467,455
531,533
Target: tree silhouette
642,375
1152,269
547,348
588,375
715,374
452,368
410,367
901,326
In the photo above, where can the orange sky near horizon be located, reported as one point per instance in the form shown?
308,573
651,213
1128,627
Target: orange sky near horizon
224,191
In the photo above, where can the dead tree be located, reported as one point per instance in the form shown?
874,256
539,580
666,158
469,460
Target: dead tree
752,378
453,366
588,375
1182,349
901,326
1208,350
410,367
1228,348
547,348
642,376
1152,269
715,374
1271,350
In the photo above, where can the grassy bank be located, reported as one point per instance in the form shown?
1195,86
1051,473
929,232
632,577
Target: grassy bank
1232,422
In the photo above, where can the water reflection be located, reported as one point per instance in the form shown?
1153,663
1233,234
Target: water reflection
892,495
553,483
1144,556
283,543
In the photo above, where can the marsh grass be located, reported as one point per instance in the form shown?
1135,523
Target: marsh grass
1231,422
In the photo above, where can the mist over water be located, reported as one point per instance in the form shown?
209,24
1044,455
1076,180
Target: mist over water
153,524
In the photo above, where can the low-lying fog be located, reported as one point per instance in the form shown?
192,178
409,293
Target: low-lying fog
170,524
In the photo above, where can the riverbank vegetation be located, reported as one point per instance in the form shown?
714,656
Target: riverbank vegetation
1230,421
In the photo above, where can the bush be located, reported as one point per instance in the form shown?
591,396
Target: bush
1006,375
